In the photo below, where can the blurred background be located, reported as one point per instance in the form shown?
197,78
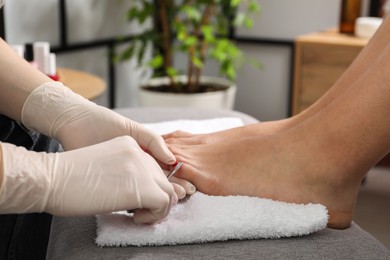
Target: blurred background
82,34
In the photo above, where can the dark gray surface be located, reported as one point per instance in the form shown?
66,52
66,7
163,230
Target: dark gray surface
73,238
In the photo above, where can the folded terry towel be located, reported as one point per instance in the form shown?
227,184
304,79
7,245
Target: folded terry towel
202,218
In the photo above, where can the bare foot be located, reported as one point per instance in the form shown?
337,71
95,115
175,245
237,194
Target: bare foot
257,129
285,167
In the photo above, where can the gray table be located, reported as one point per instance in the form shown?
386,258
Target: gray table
73,238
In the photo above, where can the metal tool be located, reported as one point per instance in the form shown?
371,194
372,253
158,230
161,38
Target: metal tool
177,167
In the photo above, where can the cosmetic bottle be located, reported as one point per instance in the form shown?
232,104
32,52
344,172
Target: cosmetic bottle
19,49
41,50
386,8
51,67
350,11
29,54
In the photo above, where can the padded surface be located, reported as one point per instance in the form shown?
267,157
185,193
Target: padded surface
73,238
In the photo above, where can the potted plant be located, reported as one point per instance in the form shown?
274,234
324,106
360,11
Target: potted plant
199,29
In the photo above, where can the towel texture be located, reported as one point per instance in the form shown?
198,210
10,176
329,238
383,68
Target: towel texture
202,218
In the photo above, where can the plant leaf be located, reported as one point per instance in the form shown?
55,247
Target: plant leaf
156,62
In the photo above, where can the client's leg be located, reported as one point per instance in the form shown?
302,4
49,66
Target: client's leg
362,62
321,160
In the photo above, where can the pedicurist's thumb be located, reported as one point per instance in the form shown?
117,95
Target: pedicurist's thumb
152,142
56,111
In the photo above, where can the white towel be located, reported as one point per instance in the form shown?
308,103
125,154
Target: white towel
196,126
202,218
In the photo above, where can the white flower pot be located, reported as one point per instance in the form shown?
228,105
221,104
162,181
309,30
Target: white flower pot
222,99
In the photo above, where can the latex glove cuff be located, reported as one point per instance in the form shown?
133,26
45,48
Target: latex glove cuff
45,105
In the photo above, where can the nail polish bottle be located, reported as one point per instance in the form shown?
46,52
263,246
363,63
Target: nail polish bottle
51,67
29,54
41,50
19,49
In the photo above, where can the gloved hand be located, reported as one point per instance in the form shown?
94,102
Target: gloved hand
110,176
56,111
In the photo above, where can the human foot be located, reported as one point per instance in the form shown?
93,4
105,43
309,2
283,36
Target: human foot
297,171
256,129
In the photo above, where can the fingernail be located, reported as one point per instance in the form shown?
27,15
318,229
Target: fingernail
190,189
182,195
175,199
171,161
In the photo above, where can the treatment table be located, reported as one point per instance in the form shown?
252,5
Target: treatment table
73,238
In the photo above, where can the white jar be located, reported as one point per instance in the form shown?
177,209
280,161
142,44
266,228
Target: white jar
386,7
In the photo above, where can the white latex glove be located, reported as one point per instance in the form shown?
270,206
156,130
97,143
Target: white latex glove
110,176
58,112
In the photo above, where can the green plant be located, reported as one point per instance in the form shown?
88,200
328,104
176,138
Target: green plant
198,28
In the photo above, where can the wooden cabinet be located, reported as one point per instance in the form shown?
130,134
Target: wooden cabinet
320,59
82,83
